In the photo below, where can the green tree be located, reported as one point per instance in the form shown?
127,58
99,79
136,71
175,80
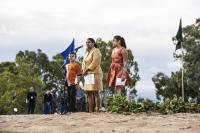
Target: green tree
191,58
12,84
35,69
169,86
16,79
166,86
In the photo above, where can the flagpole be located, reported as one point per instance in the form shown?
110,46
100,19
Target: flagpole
182,72
179,45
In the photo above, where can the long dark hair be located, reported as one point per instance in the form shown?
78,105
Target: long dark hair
121,39
93,41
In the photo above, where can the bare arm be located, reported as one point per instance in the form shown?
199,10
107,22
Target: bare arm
125,59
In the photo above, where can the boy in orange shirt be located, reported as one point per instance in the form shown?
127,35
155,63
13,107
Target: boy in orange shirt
73,74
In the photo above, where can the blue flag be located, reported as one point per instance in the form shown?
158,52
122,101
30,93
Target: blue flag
66,53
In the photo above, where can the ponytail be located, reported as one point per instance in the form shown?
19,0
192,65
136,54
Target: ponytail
121,39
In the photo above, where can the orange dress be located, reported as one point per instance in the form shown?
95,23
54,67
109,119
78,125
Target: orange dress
116,68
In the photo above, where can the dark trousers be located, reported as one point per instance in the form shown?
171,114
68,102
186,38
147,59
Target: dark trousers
46,107
64,106
72,98
31,108
80,105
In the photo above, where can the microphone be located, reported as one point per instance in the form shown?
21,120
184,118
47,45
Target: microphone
63,66
76,49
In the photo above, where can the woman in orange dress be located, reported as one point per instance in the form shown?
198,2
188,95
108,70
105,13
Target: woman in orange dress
118,67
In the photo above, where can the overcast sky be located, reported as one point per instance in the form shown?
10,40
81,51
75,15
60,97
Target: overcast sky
146,25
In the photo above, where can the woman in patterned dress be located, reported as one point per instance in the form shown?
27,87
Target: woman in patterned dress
118,67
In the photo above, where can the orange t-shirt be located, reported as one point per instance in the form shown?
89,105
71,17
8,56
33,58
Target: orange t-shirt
73,70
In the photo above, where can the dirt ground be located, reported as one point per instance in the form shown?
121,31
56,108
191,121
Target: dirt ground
101,123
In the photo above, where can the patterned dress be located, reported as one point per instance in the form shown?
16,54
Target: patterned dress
116,68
